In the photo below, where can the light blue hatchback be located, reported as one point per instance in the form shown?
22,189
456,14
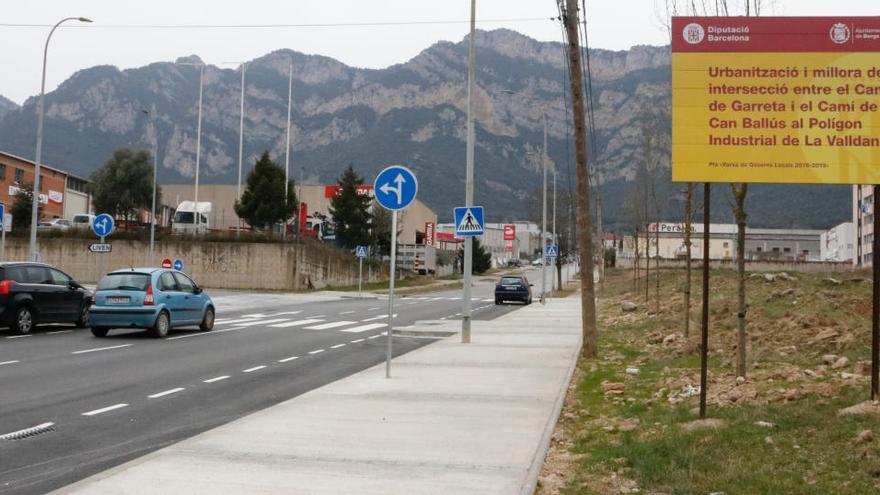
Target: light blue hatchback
157,299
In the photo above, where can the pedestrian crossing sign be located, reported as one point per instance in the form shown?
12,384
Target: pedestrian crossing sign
361,252
552,252
469,221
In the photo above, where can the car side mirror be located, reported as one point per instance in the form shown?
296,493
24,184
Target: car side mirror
73,285
531,285
197,290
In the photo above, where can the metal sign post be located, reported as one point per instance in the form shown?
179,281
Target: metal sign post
102,225
361,253
2,232
388,349
875,299
468,223
704,347
395,189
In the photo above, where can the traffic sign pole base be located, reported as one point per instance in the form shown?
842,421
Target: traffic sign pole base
465,329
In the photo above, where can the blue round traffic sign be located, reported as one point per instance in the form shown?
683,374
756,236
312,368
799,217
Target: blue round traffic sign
178,265
395,187
103,225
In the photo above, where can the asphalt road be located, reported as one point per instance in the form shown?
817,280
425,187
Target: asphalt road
117,398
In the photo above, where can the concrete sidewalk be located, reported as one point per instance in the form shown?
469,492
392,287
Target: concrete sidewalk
454,418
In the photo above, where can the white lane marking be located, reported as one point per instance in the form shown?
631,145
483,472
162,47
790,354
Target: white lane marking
488,300
332,324
261,315
318,351
453,299
296,323
15,434
260,322
56,332
374,309
19,336
414,302
443,317
9,362
337,346
104,409
374,336
96,349
346,312
423,298
364,328
240,320
355,341
216,379
378,318
167,392
285,360
255,368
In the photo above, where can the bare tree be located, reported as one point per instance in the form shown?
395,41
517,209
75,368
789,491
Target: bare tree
688,226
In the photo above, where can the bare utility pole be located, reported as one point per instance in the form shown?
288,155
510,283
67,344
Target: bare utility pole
585,230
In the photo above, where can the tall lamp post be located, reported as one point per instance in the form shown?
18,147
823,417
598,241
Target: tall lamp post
196,213
543,200
153,131
35,211
469,181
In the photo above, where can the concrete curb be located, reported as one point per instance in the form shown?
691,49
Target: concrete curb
531,481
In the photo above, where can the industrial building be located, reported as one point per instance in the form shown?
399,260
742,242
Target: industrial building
761,244
62,195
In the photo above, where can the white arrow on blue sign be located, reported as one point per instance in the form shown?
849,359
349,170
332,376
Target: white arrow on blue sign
178,265
395,187
552,252
361,251
469,221
103,225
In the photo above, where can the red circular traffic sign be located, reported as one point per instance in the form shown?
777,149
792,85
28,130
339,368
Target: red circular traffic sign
166,263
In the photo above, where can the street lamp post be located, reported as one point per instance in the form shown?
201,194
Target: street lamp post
287,148
544,216
35,211
543,201
469,181
196,212
155,135
240,143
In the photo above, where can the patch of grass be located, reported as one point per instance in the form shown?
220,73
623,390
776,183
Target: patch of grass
795,456
809,450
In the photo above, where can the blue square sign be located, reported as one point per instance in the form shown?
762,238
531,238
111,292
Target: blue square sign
552,252
469,221
361,252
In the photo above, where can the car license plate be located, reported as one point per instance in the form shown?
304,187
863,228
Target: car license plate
511,287
118,299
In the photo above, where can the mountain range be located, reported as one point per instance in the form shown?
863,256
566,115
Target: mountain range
412,113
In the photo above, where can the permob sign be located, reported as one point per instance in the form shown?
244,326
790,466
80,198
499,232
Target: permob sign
776,99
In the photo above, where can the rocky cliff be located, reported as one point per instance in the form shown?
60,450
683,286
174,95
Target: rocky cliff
412,113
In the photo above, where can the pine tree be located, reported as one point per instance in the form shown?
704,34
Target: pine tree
263,201
351,211
482,259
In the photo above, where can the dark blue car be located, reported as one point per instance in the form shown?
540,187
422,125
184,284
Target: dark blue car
513,288
157,299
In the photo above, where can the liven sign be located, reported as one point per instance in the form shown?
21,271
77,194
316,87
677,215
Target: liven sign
776,99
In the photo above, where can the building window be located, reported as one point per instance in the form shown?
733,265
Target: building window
759,249
786,250
19,175
2,171
726,244
806,251
775,250
76,184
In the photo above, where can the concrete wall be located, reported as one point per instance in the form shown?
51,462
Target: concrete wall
228,265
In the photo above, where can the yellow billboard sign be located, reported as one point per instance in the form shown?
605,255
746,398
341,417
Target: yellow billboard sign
776,100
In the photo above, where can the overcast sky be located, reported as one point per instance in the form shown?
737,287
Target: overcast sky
614,24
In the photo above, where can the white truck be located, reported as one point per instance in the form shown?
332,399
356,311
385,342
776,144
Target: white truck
185,220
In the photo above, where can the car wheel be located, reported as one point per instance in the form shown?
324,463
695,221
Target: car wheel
24,321
100,331
208,321
497,302
161,327
529,300
84,321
